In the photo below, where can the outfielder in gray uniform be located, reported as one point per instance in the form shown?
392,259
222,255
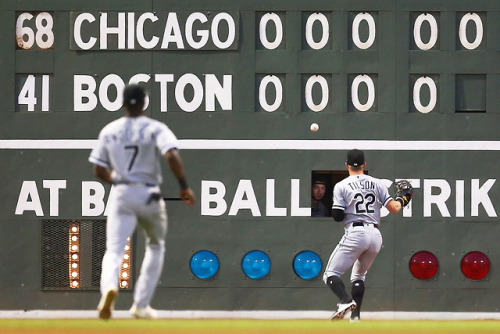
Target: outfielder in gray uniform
127,155
357,201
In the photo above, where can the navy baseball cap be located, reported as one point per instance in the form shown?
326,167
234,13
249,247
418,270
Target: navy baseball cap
355,158
134,94
318,181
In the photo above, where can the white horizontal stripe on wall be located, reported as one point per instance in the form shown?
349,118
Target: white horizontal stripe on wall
237,144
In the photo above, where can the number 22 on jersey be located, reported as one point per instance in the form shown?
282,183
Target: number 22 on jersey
363,203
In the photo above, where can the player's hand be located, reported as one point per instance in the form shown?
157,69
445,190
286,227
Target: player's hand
404,192
404,200
187,196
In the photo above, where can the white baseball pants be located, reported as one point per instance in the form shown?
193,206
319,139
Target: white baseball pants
358,248
128,206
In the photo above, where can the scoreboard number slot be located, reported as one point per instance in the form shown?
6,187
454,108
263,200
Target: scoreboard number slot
32,92
37,32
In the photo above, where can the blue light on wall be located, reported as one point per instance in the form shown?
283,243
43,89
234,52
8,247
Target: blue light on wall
307,265
256,264
204,264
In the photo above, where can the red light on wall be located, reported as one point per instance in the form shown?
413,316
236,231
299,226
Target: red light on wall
475,265
424,265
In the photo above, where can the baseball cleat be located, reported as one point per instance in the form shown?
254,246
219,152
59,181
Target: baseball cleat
342,309
143,313
107,303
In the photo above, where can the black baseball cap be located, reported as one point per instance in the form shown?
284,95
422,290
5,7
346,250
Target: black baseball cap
133,95
355,158
318,181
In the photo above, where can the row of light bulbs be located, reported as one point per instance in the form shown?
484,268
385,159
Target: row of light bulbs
74,258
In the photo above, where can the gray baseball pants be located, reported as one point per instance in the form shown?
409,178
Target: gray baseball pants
130,205
358,248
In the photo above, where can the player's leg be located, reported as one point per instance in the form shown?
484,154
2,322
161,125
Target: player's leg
120,225
151,268
117,233
155,228
342,258
366,258
344,255
358,275
357,293
118,229
337,286
346,303
359,270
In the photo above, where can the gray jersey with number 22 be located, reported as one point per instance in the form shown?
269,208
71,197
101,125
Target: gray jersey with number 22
360,197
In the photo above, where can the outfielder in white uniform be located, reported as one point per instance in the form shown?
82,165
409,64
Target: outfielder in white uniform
357,201
127,155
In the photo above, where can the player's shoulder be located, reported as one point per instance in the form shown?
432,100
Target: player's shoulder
374,179
113,125
159,130
370,178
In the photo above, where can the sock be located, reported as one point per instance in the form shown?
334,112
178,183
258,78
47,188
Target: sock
338,288
357,291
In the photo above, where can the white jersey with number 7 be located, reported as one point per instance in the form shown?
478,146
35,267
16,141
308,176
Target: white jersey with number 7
132,147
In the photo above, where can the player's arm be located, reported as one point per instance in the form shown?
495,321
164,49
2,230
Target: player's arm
100,160
175,163
102,173
394,206
338,215
338,206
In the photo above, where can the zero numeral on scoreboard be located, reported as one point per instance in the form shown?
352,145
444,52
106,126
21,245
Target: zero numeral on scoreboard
41,32
33,92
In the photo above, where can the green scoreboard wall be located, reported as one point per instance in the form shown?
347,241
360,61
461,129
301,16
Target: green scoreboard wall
416,84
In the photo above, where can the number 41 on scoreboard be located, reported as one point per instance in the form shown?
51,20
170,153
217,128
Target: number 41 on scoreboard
32,91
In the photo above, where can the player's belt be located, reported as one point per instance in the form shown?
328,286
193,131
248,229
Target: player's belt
363,224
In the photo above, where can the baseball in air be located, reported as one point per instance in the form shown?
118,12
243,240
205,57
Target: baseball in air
314,127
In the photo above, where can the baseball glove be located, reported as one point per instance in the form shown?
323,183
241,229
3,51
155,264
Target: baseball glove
404,192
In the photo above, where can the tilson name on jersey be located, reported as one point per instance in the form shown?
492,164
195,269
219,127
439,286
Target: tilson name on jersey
362,184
